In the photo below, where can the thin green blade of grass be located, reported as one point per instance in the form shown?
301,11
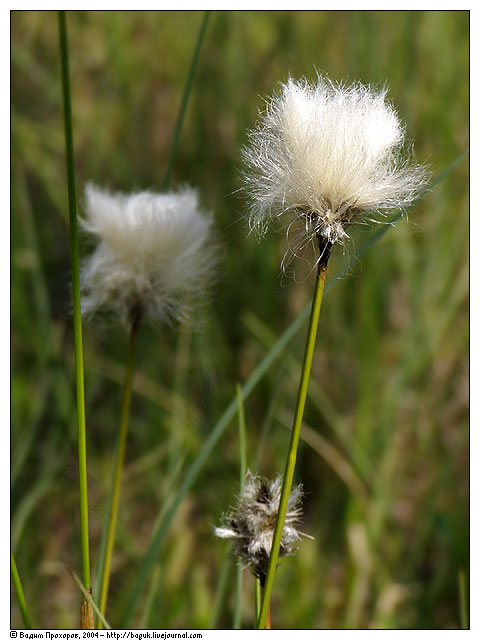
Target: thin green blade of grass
77,316
333,457
28,503
157,541
242,434
463,600
267,422
242,441
316,394
154,585
89,599
443,174
258,597
20,594
177,442
184,103
39,288
221,589
150,599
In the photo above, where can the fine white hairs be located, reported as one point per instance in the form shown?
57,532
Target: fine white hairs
154,255
331,155
251,524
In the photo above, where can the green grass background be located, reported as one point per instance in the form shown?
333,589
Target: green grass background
385,468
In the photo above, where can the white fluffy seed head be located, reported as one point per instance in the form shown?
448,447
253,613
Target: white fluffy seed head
329,154
154,254
251,524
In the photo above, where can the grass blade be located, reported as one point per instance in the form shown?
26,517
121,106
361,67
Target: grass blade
150,599
89,599
448,170
20,595
242,440
183,105
157,540
333,457
77,316
221,588
242,436
462,589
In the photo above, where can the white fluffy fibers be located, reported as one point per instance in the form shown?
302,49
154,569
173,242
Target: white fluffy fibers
328,153
154,254
252,522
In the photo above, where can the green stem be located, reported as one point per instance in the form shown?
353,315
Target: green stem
118,468
184,103
77,317
150,599
242,440
292,452
258,597
462,588
20,595
221,589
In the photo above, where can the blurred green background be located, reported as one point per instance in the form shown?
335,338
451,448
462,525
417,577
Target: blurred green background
385,468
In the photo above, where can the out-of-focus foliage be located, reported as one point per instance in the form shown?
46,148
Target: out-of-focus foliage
385,466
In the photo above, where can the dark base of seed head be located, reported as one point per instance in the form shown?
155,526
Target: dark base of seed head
325,248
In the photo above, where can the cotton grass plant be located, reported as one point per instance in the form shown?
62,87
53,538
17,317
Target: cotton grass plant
327,156
153,259
154,256
251,524
116,298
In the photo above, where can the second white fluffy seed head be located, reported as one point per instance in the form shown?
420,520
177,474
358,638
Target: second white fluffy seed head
251,523
154,254
329,154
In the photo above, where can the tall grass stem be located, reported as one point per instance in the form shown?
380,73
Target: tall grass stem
242,440
118,468
183,105
292,452
20,595
77,316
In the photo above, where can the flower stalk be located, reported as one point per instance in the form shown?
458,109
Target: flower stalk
118,465
268,621
86,616
264,618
